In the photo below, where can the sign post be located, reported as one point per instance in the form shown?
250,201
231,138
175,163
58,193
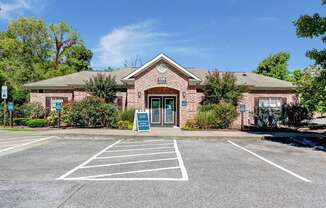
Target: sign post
11,109
242,110
58,110
4,95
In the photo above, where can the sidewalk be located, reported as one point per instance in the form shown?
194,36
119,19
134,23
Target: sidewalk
172,132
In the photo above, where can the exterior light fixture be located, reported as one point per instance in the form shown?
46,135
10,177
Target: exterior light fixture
139,94
183,94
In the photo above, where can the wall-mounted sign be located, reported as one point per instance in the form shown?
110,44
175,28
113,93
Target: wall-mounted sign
161,80
4,92
242,108
184,103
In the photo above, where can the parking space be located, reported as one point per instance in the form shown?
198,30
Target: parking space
17,143
109,172
135,160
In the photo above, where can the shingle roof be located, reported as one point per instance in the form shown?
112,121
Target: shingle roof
78,79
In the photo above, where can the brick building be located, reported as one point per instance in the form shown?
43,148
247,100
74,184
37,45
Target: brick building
171,93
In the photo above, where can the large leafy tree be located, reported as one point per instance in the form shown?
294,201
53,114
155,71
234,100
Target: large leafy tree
102,86
31,50
275,65
311,87
312,81
313,26
221,87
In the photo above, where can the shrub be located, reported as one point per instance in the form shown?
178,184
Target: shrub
52,118
225,114
206,107
37,122
34,110
102,86
190,124
126,115
90,112
20,121
110,113
125,125
294,114
205,119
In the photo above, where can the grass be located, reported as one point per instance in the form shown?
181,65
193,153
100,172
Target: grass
17,129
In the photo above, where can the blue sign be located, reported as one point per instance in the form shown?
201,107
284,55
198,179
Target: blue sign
143,121
58,106
242,108
184,103
10,106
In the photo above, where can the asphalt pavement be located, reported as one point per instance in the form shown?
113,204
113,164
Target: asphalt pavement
159,172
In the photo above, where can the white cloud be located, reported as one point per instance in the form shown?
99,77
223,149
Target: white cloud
12,9
138,40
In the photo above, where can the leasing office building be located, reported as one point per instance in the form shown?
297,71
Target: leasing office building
171,92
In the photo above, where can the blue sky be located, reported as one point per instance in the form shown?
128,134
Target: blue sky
232,35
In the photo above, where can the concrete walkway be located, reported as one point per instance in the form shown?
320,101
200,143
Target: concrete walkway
156,132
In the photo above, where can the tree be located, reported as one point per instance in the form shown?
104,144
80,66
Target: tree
221,87
312,88
31,50
102,86
275,65
312,27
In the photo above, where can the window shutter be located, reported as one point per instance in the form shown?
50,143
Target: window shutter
65,100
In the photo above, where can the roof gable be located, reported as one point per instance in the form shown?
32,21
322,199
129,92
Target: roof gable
156,60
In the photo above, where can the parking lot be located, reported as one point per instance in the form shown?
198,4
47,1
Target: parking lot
111,172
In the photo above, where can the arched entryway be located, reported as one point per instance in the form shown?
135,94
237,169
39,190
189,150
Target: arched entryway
163,106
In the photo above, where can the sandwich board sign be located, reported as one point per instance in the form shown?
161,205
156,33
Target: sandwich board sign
141,121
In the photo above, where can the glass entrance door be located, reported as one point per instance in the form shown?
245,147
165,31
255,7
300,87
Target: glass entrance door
162,110
169,110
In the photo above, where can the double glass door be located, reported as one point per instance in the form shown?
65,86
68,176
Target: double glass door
162,110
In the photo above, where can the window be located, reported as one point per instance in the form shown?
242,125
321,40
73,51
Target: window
270,102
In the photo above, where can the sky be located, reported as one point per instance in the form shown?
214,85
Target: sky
229,35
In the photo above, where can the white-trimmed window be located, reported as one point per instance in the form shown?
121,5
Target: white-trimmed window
270,102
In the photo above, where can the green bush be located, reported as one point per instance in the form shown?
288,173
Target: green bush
20,121
37,122
225,114
205,119
52,118
206,107
295,114
126,115
31,110
90,112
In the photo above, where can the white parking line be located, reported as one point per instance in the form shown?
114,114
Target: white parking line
24,144
145,141
153,148
145,145
135,171
182,166
105,176
271,163
133,162
87,161
134,155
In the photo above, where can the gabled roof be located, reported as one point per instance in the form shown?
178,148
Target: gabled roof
156,60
